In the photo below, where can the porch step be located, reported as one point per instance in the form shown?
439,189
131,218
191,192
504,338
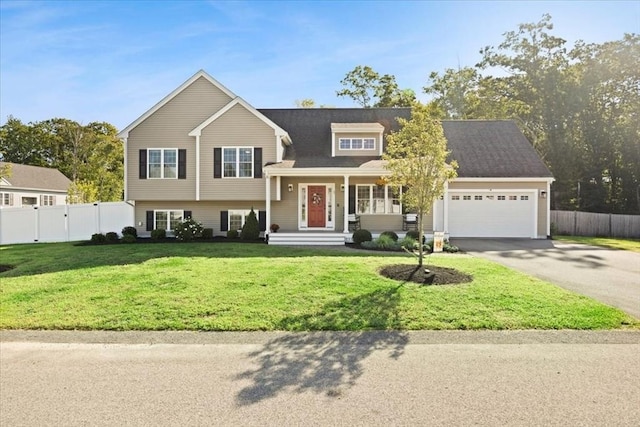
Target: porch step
298,239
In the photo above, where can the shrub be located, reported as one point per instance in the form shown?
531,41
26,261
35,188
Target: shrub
159,234
370,244
187,230
386,242
408,242
131,231
111,236
207,233
251,228
128,238
361,235
391,234
414,234
447,247
232,234
98,238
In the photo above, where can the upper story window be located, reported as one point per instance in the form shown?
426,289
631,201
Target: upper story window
163,163
237,162
357,143
6,199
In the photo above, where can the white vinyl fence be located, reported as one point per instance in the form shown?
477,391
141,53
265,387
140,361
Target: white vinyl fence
63,223
595,224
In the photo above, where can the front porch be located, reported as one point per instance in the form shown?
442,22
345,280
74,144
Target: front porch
325,238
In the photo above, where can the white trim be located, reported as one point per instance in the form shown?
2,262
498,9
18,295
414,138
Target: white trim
278,187
238,162
381,144
351,144
126,170
345,207
314,172
548,209
197,168
373,127
513,179
329,225
239,101
162,150
267,206
168,217
333,144
125,132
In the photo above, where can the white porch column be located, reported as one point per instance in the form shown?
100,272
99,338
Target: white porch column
548,209
346,204
197,167
267,204
445,208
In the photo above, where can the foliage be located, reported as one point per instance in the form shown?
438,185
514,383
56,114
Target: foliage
207,233
391,234
408,243
251,228
413,234
130,230
158,234
363,83
167,286
188,229
305,103
91,156
5,169
448,247
416,157
129,238
361,235
111,236
98,238
232,234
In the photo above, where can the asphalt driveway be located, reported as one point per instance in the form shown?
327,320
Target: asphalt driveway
608,275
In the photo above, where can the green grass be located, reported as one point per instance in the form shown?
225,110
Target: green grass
606,242
219,286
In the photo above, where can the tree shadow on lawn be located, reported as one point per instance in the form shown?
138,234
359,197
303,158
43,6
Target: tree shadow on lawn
326,362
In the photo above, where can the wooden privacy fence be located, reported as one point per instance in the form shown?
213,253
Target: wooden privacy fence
63,223
595,224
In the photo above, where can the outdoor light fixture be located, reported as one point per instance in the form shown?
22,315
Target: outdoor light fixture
341,187
543,194
290,187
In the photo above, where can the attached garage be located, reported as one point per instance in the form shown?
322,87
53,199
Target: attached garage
493,213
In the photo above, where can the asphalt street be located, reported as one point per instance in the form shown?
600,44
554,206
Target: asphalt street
378,378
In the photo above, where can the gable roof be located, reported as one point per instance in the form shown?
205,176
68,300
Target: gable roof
26,177
482,148
125,132
239,101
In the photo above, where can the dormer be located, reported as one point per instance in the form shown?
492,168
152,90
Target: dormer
356,139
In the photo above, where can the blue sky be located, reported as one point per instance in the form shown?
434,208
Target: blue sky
112,60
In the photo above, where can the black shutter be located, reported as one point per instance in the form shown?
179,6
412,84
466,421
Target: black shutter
187,214
143,164
149,220
262,220
352,199
217,163
224,220
257,162
182,164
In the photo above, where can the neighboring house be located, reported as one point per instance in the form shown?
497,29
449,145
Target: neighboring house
205,153
27,186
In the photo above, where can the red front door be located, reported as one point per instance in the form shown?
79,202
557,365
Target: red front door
317,204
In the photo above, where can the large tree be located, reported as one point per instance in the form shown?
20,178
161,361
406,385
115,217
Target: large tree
364,85
416,156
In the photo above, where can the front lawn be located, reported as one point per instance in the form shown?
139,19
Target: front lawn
606,242
215,286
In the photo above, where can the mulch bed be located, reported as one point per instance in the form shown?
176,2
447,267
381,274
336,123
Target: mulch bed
435,275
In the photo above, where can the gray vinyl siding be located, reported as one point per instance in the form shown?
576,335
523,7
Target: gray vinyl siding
208,213
169,128
515,185
238,127
373,152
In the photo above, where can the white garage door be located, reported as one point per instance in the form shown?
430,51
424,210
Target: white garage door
492,214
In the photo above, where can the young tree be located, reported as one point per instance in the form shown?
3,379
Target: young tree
416,156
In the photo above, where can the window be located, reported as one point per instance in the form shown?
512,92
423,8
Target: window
163,163
29,201
237,162
477,197
489,197
237,219
455,197
167,219
524,197
466,197
46,200
501,198
376,199
6,199
357,143
513,197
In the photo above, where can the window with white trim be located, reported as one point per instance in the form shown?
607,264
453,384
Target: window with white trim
237,218
162,163
513,197
477,197
357,143
237,162
376,199
46,200
455,197
6,199
501,198
167,219
466,197
524,197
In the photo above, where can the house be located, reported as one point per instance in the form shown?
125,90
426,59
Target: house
204,152
32,186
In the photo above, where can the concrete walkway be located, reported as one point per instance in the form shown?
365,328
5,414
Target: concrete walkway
608,275
515,378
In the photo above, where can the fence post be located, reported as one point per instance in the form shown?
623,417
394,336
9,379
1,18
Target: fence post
36,236
575,223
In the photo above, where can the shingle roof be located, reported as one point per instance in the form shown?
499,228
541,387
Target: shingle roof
482,148
36,177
